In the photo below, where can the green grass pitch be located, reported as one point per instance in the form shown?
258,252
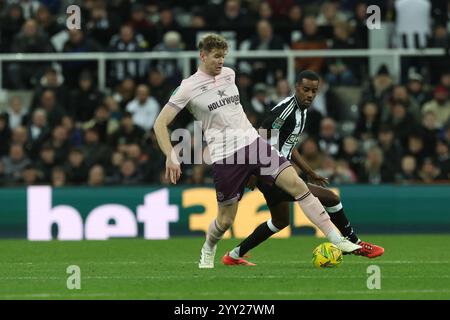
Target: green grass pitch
413,267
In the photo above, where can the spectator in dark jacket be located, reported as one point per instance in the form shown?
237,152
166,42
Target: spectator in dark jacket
94,151
5,135
368,123
30,40
375,170
78,43
54,111
402,122
341,70
15,162
101,25
392,150
233,15
380,87
127,41
76,168
267,70
127,133
53,81
443,157
10,24
85,99
408,170
46,162
60,143
47,22
329,138
38,132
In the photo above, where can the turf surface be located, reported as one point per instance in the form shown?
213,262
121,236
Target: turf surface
413,267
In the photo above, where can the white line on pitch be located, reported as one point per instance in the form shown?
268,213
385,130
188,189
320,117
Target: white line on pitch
195,262
206,277
224,293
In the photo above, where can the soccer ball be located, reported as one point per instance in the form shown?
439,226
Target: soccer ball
327,255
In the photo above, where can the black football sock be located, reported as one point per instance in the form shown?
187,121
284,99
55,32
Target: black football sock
264,231
339,219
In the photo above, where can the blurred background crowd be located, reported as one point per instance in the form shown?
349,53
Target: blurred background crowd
69,132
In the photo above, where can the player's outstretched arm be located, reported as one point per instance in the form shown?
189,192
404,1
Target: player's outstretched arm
303,165
165,117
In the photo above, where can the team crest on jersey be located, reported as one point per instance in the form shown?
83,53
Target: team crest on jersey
222,93
278,123
220,196
292,139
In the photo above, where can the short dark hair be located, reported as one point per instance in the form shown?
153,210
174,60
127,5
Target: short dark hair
307,74
213,41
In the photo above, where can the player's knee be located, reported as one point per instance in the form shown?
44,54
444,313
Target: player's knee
334,199
295,186
328,198
226,222
281,222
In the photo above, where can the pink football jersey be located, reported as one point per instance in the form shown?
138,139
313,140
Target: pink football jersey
215,102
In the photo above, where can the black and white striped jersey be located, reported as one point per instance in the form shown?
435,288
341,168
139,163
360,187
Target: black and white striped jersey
289,120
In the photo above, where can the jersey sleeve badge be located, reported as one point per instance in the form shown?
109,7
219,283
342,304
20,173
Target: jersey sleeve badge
278,123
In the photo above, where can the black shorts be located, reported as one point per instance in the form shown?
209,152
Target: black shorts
273,194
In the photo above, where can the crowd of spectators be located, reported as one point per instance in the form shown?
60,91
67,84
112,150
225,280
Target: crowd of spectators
72,133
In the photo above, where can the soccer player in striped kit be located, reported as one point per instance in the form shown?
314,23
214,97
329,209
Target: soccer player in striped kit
236,149
288,117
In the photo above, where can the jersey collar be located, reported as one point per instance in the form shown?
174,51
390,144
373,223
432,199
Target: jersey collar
296,102
207,75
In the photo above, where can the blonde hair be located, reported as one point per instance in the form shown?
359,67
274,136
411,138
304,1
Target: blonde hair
213,41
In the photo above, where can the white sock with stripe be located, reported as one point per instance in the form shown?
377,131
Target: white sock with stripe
335,208
317,214
214,234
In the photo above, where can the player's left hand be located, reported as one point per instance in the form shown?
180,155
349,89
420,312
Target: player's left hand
317,179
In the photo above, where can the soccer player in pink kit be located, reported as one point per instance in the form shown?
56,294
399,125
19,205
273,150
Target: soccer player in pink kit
236,149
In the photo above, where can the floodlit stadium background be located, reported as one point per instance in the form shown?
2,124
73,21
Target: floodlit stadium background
71,125
79,159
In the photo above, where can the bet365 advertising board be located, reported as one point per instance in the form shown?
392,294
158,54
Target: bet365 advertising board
154,212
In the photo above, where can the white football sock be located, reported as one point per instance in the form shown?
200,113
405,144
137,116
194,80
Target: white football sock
214,234
333,236
235,253
317,214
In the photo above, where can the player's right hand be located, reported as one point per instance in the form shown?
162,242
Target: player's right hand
173,170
